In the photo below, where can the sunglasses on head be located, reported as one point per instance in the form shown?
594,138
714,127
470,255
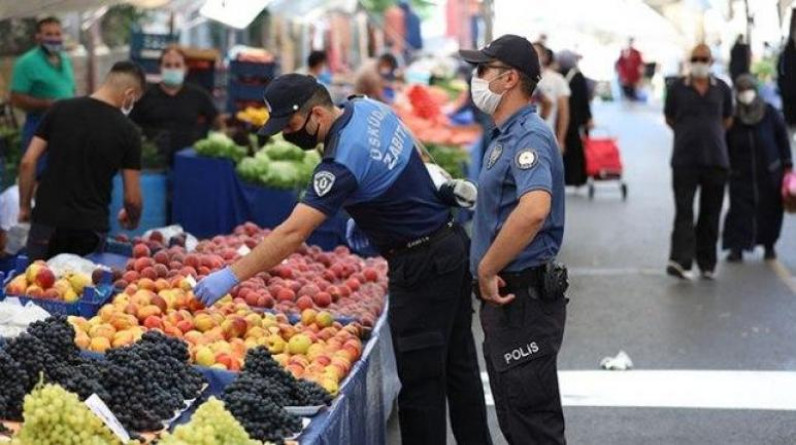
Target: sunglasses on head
482,68
698,59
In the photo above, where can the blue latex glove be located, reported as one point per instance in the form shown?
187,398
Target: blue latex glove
357,240
214,286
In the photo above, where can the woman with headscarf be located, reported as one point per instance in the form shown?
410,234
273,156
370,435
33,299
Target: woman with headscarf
580,119
760,155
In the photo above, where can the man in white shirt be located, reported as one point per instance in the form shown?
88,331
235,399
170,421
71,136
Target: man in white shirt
555,87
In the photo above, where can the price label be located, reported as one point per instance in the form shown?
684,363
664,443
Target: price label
100,409
243,250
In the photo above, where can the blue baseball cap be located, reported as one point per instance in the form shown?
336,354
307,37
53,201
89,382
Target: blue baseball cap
284,96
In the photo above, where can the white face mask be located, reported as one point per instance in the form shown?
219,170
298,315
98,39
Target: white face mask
483,97
700,70
126,109
747,97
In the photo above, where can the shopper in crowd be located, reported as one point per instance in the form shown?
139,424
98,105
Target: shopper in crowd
376,79
517,232
786,79
699,109
40,77
382,183
580,118
740,58
556,89
318,67
760,155
174,114
629,68
89,140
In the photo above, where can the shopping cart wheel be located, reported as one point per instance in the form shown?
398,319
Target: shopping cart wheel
591,191
624,191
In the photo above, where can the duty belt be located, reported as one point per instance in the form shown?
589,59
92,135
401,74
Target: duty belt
530,277
422,241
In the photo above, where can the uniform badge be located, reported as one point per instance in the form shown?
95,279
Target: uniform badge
494,155
527,158
322,182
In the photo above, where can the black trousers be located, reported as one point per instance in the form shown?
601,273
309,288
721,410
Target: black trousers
430,320
45,242
698,241
521,344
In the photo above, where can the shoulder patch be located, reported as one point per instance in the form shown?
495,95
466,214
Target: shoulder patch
322,182
527,158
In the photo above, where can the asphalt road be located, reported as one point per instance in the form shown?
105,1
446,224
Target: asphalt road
622,300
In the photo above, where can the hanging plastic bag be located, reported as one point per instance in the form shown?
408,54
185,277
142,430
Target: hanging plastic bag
789,191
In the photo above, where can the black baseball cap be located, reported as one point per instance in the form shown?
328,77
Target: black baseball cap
284,96
515,51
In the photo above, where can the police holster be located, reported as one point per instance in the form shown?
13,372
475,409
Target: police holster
551,280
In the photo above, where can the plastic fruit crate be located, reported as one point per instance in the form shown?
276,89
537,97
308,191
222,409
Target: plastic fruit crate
93,298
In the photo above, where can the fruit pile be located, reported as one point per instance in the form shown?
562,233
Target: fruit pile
260,393
155,241
211,424
143,384
55,416
316,347
39,281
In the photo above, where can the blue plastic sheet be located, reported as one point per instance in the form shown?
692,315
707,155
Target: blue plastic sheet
210,199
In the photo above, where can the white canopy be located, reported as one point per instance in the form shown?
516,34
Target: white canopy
33,8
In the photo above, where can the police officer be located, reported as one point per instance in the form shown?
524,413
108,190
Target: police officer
517,232
372,168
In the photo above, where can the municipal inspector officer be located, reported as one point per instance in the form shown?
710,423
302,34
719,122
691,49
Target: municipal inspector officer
517,232
372,168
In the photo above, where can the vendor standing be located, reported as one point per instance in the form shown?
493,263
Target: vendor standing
372,168
173,114
40,77
89,140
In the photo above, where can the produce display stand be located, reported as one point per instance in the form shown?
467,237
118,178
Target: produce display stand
246,82
209,199
154,192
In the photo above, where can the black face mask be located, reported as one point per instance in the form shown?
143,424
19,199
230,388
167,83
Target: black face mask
302,138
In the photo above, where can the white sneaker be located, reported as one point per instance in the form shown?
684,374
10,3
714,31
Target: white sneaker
676,270
708,275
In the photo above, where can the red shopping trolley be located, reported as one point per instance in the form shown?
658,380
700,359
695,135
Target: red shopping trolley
603,162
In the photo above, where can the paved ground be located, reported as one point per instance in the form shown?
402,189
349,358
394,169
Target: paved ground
621,299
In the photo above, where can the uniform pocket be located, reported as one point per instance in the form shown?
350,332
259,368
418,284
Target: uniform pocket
534,384
420,356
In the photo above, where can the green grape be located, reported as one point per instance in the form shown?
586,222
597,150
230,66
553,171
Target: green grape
211,424
55,416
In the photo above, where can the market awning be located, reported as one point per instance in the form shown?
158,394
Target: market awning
33,8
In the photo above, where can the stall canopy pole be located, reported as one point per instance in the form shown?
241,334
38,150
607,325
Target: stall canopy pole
488,10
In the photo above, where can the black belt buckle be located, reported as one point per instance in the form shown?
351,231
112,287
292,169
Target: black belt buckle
422,240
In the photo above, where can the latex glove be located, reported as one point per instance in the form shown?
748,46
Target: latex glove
214,286
357,239
465,192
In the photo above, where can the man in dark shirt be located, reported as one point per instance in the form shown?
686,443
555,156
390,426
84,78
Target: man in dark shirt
174,114
88,140
699,110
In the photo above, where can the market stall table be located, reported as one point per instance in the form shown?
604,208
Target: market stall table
210,199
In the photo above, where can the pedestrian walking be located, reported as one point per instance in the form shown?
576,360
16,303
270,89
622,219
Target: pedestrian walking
740,58
629,68
699,110
517,232
382,182
760,155
580,119
555,88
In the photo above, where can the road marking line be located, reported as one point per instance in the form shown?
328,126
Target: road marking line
617,271
749,390
784,274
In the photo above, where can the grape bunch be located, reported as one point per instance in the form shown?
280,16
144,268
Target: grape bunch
211,424
57,334
147,382
260,416
13,389
33,357
293,392
54,416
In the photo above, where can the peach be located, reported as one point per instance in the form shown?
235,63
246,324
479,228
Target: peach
299,344
148,311
192,337
256,332
160,302
34,291
324,319
44,278
82,340
146,283
281,359
99,344
275,344
234,327
123,338
185,326
102,330
17,286
123,321
153,322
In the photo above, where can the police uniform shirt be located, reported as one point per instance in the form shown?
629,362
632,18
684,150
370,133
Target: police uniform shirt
371,167
522,157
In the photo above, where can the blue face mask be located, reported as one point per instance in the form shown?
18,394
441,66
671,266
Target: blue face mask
172,77
325,77
53,46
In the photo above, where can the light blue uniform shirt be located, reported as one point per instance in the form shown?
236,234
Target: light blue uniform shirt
522,157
